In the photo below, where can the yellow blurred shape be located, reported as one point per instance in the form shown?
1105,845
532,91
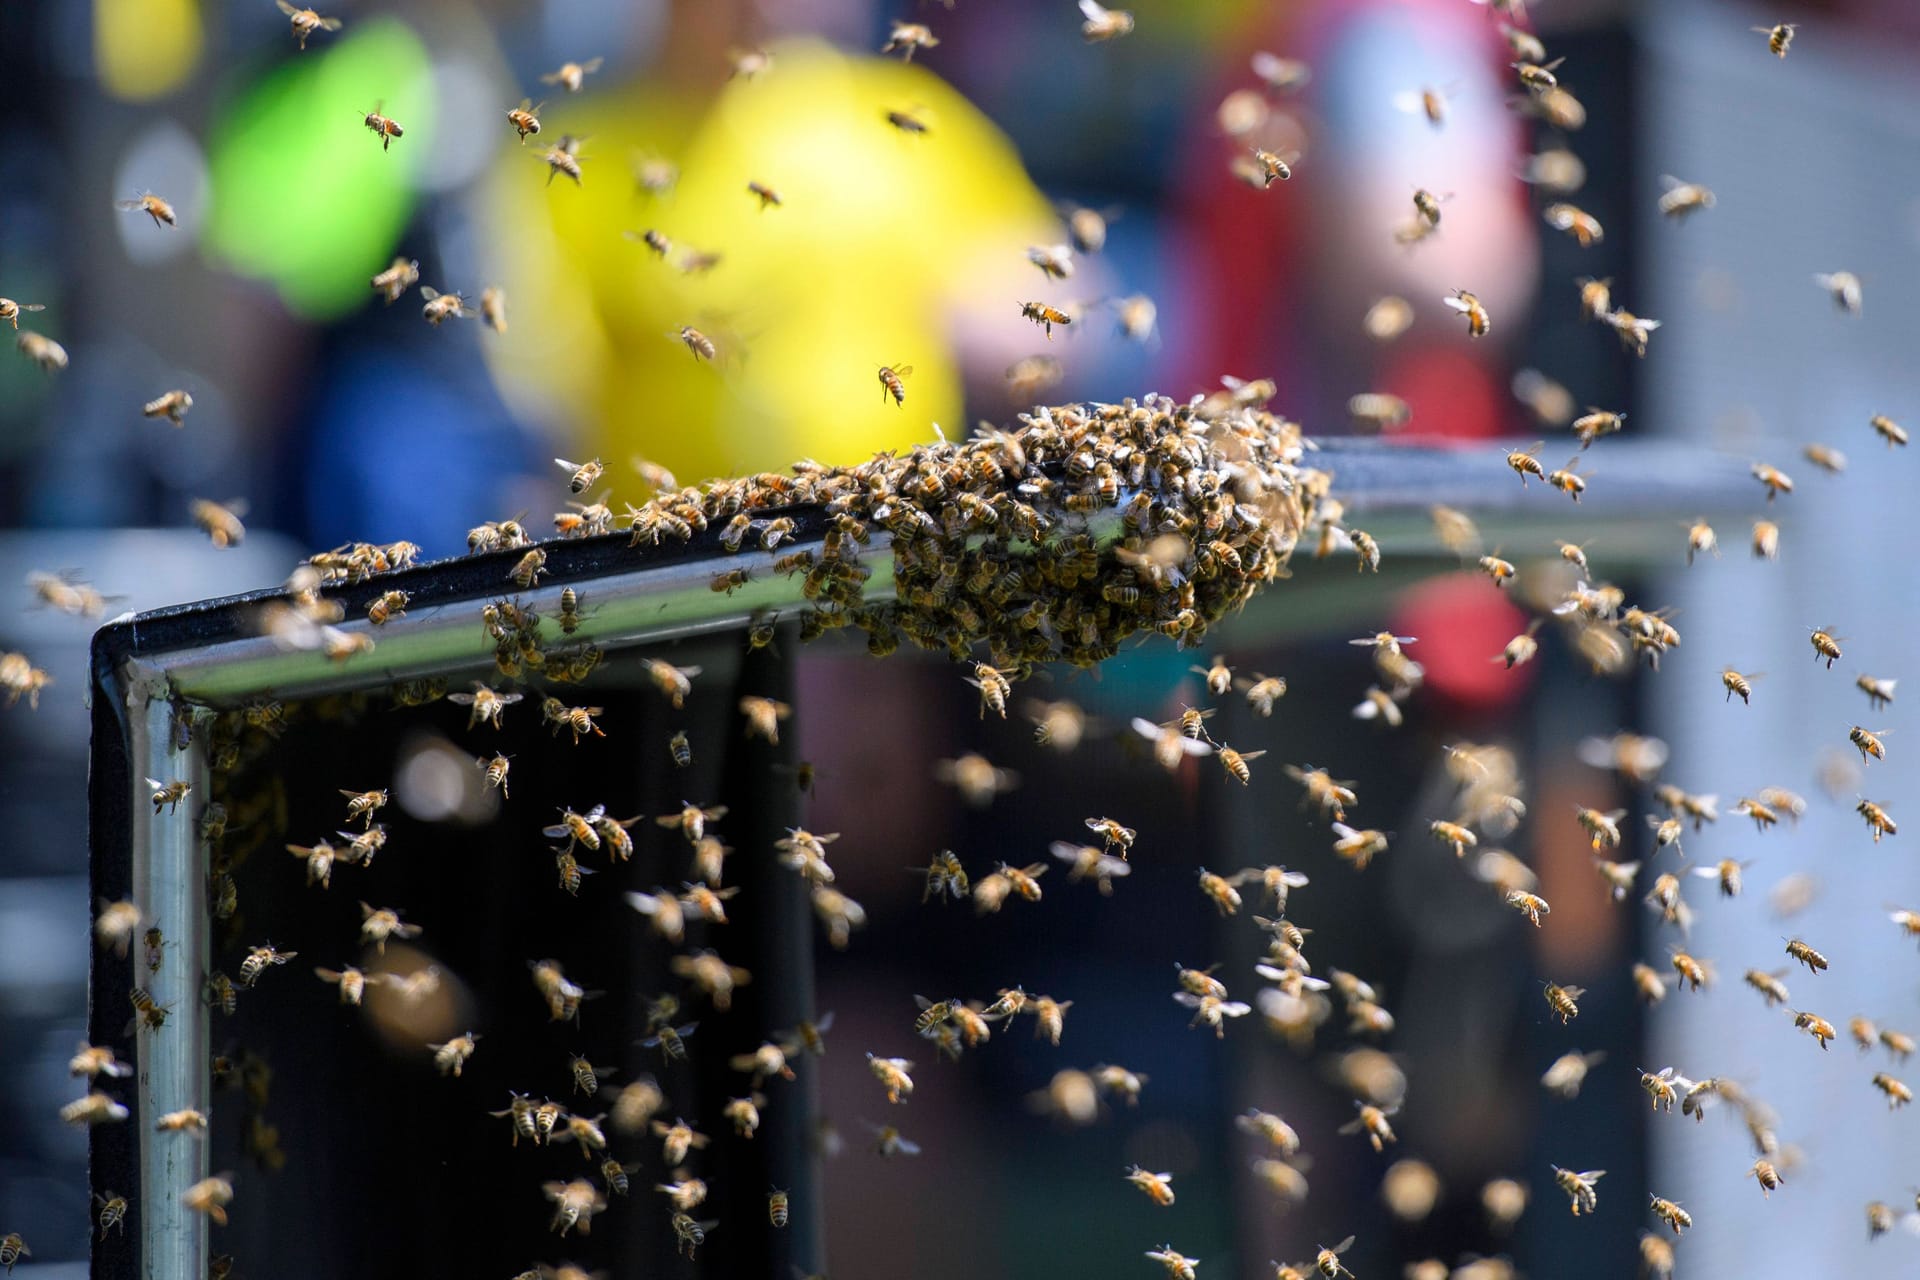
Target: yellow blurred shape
881,242
144,49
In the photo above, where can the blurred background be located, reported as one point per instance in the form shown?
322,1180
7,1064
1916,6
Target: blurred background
334,416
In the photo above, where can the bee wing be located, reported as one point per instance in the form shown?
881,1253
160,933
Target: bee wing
1187,998
1093,10
1367,710
592,65
329,24
1409,101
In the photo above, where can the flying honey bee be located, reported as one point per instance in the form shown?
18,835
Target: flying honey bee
1843,287
220,522
1428,101
1524,463
1868,742
400,276
1767,1175
572,75
525,118
563,158
1530,905
493,308
172,406
1564,1000
1806,955
1825,644
1579,1187
450,1057
210,1196
1779,37
674,683
305,21
908,37
1045,316
765,194
1878,819
443,306
1178,1265
1682,199
1568,1072
383,127
1568,480
1887,429
1819,1028
10,310
377,924
1738,683
1270,167
150,204
892,383
1576,222
1103,24
1478,321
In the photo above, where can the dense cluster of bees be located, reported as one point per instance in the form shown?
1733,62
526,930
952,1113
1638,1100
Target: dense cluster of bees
1054,540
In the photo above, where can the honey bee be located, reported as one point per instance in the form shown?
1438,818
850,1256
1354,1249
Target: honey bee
1767,1175
1887,429
563,157
1568,480
1523,462
730,581
210,1196
777,1207
1844,286
1372,1121
1532,906
1670,1213
908,123
906,37
493,308
1269,167
306,21
94,1108
1478,322
572,75
1779,37
892,380
383,127
172,406
1775,480
1738,683
1814,1025
1322,790
451,1057
1878,819
386,607
1898,1094
42,350
1157,1186
221,523
1045,316
1898,1043
10,310
1825,645
1568,1072
1634,333
258,960
1618,875
1576,222
377,924
1179,1266
351,981
443,306
1868,741
1579,1187
574,1204
674,683
1766,540
113,1212
400,276
1236,762
486,706
765,194
1564,1000
1681,199
150,204
1103,24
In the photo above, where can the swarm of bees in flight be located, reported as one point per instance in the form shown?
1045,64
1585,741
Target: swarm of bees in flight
1051,541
